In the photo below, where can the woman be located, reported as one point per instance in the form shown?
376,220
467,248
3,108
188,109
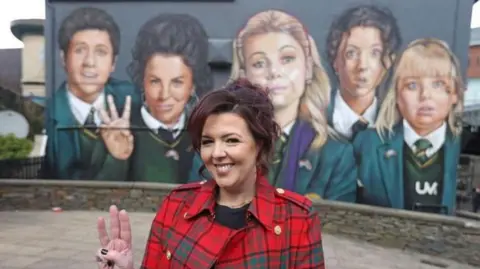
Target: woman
169,64
274,50
409,161
237,219
361,46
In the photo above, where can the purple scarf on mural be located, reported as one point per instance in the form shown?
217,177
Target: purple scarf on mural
299,142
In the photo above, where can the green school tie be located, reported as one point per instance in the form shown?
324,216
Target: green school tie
421,146
359,126
90,121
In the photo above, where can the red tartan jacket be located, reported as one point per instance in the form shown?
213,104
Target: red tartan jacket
283,231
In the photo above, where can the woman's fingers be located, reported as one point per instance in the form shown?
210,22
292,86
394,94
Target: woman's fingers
122,260
104,258
102,232
125,229
114,223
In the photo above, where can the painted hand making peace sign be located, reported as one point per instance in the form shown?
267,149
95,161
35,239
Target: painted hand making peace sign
115,130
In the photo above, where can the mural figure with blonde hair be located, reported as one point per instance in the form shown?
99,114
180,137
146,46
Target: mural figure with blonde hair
409,160
361,45
274,51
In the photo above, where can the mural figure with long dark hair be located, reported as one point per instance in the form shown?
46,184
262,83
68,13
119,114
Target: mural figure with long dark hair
361,46
79,144
409,160
169,64
274,50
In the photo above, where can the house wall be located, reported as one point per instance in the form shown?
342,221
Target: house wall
33,65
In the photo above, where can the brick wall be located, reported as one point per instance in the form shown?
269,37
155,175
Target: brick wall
473,70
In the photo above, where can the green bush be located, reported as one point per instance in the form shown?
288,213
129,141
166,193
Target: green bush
12,147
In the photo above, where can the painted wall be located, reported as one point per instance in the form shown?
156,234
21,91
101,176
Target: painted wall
384,84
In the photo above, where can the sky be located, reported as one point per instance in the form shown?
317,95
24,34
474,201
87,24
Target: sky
35,9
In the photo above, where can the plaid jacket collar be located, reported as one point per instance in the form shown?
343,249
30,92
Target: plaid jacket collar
262,206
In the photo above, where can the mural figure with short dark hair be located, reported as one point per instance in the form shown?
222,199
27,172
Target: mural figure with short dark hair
409,160
169,64
361,46
274,50
77,148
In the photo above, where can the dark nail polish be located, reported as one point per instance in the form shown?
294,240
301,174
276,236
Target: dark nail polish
110,263
104,252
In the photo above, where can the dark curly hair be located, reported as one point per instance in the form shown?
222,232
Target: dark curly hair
249,102
173,34
88,18
365,16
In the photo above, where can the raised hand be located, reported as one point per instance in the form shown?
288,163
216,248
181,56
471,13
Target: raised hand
115,130
116,249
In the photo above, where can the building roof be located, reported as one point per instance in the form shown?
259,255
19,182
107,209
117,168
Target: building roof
20,28
11,69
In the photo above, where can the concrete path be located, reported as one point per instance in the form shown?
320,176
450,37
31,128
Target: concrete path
68,240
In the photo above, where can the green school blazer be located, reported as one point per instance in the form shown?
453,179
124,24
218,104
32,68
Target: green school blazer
64,154
380,168
329,172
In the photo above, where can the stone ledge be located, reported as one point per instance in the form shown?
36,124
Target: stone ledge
446,237
88,184
399,213
469,215
473,220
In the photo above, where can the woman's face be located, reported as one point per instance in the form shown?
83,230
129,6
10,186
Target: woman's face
425,102
228,150
359,61
168,85
276,61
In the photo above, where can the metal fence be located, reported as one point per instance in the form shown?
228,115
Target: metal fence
28,168
467,180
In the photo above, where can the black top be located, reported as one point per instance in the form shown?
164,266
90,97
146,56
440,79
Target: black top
233,218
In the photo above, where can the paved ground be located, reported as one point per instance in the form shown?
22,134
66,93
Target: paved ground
67,240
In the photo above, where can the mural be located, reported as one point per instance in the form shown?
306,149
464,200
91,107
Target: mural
169,64
361,46
274,50
148,141
77,148
409,160
383,128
